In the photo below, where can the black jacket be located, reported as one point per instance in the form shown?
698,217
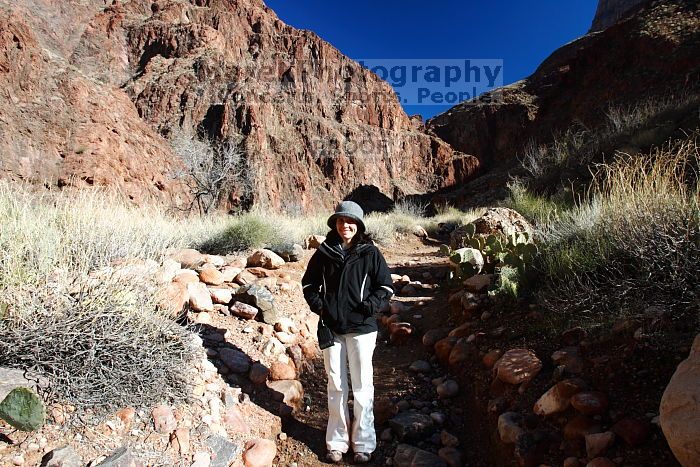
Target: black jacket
346,290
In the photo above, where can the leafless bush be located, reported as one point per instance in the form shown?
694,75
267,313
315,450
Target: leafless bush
102,345
212,170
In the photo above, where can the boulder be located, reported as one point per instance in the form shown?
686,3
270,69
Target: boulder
262,299
443,348
221,296
245,277
491,358
121,457
410,425
243,310
459,353
509,429
680,409
580,426
163,419
290,253
229,273
259,452
451,456
173,297
258,373
590,402
420,366
598,443
200,298
62,457
265,258
210,275
283,369
558,397
431,337
188,258
447,389
186,276
518,366
502,221
236,360
288,391
224,452
478,283
409,456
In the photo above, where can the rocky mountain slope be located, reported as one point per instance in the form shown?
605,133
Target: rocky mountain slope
89,94
653,52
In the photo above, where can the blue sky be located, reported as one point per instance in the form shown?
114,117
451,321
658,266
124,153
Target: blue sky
520,33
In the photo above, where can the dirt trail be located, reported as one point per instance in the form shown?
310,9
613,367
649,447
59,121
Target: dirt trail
394,382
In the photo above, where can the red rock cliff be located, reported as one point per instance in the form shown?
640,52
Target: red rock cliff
656,50
110,83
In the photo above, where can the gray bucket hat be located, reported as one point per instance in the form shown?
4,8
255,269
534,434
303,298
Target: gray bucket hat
348,209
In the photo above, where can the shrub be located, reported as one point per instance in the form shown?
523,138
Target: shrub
537,209
102,346
635,243
211,169
100,342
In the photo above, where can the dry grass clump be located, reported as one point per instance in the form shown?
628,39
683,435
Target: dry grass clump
633,244
579,146
101,342
102,347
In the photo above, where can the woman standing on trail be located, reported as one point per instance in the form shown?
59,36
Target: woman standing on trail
346,281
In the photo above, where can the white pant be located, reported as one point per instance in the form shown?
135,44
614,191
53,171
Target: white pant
357,349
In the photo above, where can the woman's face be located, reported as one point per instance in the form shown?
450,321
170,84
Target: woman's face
346,228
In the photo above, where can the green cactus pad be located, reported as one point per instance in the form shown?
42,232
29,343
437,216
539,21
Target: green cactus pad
23,409
470,229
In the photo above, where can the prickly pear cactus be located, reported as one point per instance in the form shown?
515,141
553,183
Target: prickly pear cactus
23,409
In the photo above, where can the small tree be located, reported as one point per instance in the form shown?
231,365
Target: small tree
211,170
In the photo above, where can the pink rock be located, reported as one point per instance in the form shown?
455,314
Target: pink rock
221,296
580,426
590,402
459,353
188,258
598,443
210,275
431,337
571,462
633,432
478,283
173,298
283,370
186,276
163,419
557,398
243,310
265,258
235,421
289,391
443,348
491,358
259,452
200,299
518,366
680,409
